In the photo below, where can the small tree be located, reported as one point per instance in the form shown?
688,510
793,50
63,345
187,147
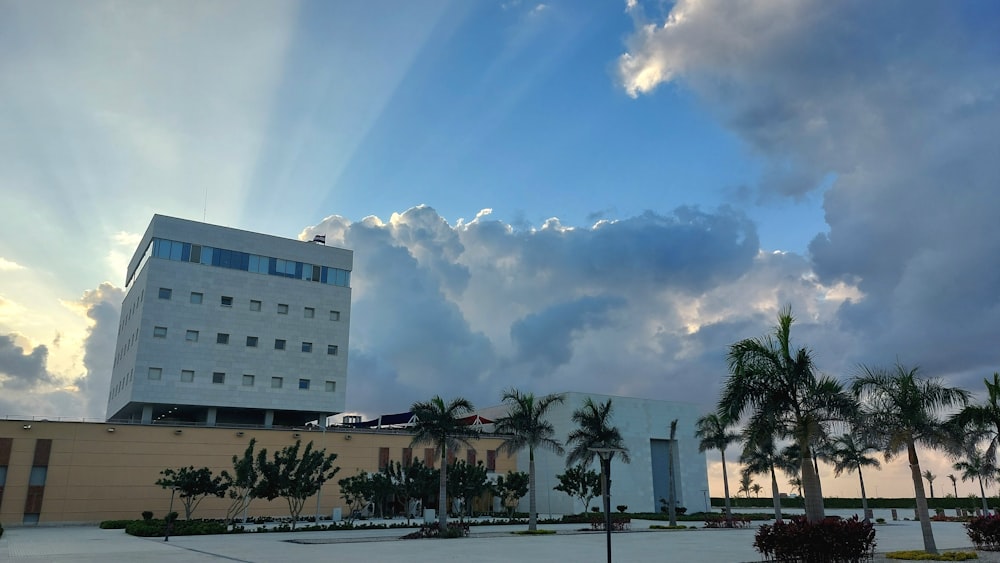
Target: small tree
192,485
414,481
383,491
293,477
241,483
512,489
581,483
356,491
467,481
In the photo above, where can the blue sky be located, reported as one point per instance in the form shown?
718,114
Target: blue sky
588,196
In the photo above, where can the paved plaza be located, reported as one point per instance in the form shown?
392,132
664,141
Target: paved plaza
89,544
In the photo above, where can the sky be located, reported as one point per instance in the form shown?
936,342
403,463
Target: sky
560,196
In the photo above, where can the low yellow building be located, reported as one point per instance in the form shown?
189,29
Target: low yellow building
87,472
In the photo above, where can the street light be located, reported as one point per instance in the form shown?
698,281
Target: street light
606,454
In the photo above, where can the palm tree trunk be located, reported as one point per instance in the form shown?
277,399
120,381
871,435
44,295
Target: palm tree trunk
776,495
810,485
725,485
982,494
864,497
443,490
532,517
819,483
918,489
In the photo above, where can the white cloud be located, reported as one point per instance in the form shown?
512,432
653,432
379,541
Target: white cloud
9,266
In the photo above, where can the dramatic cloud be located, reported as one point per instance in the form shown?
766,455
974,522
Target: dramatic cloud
644,306
20,370
28,386
893,111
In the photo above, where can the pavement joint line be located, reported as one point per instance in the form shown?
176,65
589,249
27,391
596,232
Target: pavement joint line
203,552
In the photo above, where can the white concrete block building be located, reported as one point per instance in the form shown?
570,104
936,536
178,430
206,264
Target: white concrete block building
645,427
223,326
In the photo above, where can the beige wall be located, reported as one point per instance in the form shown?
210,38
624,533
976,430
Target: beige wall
95,474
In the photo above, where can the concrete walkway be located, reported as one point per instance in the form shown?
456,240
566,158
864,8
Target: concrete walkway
89,544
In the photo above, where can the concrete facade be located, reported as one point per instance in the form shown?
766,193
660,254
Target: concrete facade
87,472
228,326
645,427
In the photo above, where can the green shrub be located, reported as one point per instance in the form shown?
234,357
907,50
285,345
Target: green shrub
534,532
832,540
984,531
114,524
659,527
917,555
157,528
147,515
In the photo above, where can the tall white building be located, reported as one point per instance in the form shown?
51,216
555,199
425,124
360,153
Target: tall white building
223,326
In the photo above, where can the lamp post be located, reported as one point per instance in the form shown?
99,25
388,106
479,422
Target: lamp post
606,454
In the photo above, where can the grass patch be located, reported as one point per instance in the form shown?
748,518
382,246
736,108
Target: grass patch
659,527
918,555
534,532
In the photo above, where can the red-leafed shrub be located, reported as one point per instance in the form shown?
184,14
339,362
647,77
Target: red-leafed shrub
831,541
984,531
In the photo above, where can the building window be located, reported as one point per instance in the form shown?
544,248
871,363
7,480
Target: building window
254,305
331,386
187,375
279,344
303,384
226,301
334,315
155,373
222,338
332,349
307,347
159,332
282,309
309,312
191,336
276,382
166,293
196,297
218,377
247,380
251,342
491,460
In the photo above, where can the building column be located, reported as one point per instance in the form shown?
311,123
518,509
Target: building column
268,418
210,416
147,414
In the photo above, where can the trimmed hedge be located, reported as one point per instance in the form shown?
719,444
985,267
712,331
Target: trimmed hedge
157,528
917,555
829,541
946,503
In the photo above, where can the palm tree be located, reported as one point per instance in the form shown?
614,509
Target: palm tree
713,431
848,454
796,482
901,410
984,418
746,481
976,465
761,457
527,428
954,484
756,489
782,394
930,480
438,424
594,430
